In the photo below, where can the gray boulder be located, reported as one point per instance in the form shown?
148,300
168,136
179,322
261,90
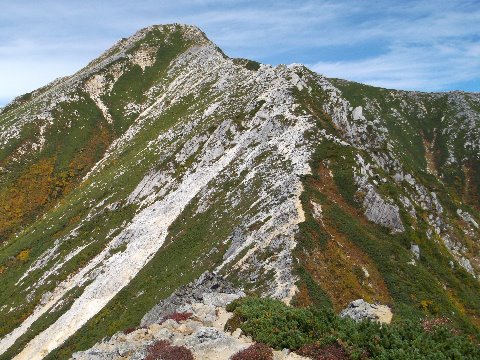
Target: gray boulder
360,310
382,212
210,288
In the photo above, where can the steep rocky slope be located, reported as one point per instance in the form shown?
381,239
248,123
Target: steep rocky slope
164,158
193,317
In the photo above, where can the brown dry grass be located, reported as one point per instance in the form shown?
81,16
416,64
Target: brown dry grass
327,352
29,193
338,267
470,194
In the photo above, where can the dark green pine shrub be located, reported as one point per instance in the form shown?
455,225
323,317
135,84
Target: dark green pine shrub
271,322
319,331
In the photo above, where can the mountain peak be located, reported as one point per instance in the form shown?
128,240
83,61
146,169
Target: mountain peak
187,29
163,159
187,33
150,39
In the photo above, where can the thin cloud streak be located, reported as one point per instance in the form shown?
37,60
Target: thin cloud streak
408,68
422,45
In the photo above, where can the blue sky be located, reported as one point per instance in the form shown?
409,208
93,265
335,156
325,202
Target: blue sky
422,45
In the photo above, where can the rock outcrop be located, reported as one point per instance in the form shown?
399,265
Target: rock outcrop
201,317
381,212
164,158
360,310
209,289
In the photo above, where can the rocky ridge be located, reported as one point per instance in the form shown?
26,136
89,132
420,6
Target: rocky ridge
209,289
199,164
203,333
273,130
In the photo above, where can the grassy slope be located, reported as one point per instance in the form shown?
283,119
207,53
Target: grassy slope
413,291
431,287
76,140
68,148
186,252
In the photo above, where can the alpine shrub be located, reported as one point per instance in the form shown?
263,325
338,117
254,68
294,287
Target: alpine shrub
323,335
256,351
163,350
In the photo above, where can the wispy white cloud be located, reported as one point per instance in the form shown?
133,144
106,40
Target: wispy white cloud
417,68
431,46
21,76
423,45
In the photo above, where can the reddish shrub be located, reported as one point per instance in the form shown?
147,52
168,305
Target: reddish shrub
157,346
175,353
328,352
162,350
256,351
132,329
177,317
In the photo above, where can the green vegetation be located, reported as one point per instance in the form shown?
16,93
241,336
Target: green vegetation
133,85
280,326
76,141
420,127
452,292
248,64
45,204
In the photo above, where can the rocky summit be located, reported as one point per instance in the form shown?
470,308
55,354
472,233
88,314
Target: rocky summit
167,178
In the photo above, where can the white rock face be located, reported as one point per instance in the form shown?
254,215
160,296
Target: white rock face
274,130
467,218
95,87
317,212
357,113
144,57
415,249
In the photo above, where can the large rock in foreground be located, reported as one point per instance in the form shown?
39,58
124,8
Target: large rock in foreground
193,318
210,289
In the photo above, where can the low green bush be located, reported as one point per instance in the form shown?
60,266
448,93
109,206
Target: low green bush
280,326
272,322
